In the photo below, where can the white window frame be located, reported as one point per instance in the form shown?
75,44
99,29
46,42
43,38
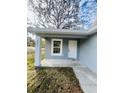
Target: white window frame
56,54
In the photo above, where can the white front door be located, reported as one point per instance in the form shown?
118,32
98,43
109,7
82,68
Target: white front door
72,46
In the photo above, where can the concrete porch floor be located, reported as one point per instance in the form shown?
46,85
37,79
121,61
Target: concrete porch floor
60,63
87,78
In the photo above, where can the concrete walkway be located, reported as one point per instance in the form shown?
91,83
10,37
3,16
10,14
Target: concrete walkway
87,78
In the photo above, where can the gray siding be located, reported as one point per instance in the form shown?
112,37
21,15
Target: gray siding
88,52
64,50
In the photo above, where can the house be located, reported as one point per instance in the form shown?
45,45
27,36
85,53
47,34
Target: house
67,44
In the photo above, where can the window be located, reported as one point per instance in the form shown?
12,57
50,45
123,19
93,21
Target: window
56,47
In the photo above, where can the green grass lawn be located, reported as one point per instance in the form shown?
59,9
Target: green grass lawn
50,80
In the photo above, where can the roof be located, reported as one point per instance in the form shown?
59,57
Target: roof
45,32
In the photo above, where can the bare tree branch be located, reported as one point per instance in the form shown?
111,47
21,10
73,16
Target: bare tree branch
57,13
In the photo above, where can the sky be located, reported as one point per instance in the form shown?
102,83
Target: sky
88,12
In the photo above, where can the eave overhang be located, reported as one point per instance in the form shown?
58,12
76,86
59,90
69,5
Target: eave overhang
45,32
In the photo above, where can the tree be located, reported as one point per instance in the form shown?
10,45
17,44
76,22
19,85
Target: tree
88,12
56,13
30,41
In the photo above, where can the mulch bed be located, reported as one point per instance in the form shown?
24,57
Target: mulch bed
52,80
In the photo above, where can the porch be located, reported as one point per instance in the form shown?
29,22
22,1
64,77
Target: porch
58,50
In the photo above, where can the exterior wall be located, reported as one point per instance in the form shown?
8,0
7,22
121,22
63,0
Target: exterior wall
64,49
88,52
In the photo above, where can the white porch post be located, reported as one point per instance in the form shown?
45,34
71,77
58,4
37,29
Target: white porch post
37,51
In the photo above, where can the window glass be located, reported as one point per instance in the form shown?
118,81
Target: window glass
56,47
57,43
56,50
